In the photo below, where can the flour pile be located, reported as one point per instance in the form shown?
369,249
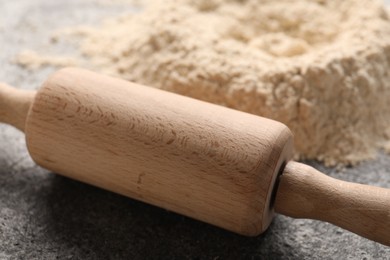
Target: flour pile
321,67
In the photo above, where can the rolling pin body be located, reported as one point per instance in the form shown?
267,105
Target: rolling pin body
198,159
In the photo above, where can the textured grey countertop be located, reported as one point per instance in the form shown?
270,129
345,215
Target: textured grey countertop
46,216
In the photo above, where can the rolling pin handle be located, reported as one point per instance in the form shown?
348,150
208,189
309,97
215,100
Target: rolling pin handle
304,192
14,105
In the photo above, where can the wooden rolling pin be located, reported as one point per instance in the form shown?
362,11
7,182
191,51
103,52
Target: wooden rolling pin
218,165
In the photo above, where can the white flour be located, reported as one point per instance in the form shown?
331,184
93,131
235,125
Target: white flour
33,60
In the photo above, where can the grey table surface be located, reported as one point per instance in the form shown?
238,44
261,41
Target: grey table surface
46,216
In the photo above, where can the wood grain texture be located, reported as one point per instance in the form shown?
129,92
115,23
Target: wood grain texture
14,105
202,160
305,192
205,161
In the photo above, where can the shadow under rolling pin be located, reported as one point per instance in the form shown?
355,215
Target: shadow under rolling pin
218,165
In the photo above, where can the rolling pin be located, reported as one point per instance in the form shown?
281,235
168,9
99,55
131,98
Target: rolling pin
218,165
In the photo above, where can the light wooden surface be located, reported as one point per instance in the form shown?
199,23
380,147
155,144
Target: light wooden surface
305,192
204,161
198,159
14,105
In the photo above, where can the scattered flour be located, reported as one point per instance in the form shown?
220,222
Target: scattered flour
32,60
321,67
